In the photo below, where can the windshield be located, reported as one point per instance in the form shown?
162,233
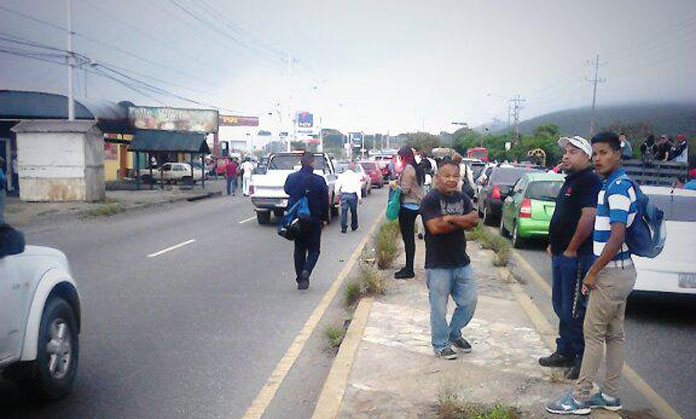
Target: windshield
290,161
680,208
507,176
544,190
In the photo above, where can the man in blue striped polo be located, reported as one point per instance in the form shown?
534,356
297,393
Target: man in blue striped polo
608,281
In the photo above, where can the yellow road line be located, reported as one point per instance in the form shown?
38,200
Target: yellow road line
265,396
331,395
658,403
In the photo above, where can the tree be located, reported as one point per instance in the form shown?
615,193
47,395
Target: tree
423,141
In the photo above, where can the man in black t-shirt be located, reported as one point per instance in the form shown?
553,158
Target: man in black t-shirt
447,213
570,247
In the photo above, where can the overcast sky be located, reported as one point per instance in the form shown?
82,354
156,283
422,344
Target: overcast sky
375,66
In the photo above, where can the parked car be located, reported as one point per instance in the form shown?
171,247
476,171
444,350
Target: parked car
674,270
173,173
39,322
494,190
372,169
528,209
383,161
268,190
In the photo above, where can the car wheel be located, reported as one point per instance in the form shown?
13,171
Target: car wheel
517,241
57,353
278,212
503,232
263,217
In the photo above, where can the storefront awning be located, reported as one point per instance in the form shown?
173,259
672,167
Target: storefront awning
169,141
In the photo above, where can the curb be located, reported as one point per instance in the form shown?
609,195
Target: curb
331,396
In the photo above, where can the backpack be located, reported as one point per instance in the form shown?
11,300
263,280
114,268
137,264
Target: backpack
647,235
291,226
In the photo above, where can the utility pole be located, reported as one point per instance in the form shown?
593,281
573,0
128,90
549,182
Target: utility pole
70,62
290,111
516,114
509,108
594,81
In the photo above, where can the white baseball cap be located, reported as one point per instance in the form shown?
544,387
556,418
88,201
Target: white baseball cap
578,142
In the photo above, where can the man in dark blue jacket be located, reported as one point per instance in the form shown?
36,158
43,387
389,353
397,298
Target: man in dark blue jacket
307,245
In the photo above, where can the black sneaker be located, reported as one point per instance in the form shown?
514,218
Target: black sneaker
303,282
556,360
448,353
462,345
343,230
573,373
404,274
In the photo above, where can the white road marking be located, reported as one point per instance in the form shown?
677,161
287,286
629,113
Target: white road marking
247,220
176,246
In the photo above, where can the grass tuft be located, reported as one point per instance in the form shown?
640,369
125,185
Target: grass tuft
335,335
387,244
105,209
493,241
367,283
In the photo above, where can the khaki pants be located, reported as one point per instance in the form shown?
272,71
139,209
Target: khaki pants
604,324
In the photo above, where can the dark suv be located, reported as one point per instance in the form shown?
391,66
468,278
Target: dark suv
496,189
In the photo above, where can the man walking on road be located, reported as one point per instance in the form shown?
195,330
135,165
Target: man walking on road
609,281
570,247
447,212
348,187
231,172
247,170
308,244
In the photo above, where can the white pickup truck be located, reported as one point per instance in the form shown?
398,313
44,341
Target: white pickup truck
268,193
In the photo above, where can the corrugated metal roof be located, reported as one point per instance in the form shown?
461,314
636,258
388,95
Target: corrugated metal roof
154,140
54,126
16,104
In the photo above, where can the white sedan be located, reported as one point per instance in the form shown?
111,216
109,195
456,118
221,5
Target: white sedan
674,270
39,322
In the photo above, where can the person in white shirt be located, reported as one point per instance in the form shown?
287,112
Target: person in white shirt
248,168
348,187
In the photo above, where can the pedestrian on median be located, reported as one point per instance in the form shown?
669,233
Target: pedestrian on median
231,169
626,148
680,150
247,170
447,212
570,247
664,146
609,281
308,243
348,187
411,184
3,194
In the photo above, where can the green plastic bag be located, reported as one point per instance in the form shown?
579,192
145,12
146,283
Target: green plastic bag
394,205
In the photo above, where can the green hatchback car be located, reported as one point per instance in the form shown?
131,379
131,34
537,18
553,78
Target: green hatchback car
528,209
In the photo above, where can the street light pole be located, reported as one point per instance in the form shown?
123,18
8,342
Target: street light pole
70,62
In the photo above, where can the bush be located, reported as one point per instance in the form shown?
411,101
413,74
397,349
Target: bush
387,244
335,335
367,283
494,241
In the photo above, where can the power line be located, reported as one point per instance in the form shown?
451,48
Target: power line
594,82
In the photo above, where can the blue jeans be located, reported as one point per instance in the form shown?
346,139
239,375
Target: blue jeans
570,340
231,185
461,285
349,201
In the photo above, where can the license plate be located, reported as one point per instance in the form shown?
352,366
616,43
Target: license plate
687,280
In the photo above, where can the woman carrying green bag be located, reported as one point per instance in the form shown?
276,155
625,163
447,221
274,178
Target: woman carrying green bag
409,194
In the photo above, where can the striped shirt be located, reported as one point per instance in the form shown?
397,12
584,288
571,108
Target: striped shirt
616,203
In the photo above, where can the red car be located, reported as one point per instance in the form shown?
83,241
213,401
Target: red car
375,173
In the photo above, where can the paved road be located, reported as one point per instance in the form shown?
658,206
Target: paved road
194,332
660,338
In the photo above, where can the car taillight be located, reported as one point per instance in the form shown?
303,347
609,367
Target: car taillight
526,208
496,192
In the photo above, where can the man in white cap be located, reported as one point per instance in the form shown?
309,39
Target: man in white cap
570,247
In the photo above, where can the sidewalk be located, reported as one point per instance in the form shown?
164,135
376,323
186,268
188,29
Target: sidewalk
32,214
394,373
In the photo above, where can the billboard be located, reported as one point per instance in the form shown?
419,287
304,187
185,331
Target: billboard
239,121
173,119
305,120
